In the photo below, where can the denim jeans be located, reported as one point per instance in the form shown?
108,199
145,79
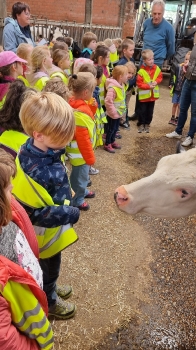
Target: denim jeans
113,125
79,179
188,98
50,268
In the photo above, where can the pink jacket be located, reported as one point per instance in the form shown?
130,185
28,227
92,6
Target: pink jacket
110,97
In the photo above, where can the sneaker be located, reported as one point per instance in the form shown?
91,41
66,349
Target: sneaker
90,194
118,136
124,125
116,145
173,135
62,309
133,117
140,129
172,120
64,291
84,206
109,148
187,142
93,171
175,122
147,128
89,183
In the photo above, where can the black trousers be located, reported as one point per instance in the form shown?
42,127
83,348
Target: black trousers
112,128
146,110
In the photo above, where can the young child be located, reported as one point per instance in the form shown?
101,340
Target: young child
80,150
148,78
62,61
130,89
89,43
10,69
22,297
42,187
57,86
177,79
114,58
24,51
41,64
115,105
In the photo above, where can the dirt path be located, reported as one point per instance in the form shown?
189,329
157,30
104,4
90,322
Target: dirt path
111,265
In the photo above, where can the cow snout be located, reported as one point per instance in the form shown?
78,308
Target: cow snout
121,196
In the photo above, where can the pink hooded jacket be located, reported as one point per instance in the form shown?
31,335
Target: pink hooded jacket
110,97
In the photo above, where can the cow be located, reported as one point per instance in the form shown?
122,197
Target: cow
169,192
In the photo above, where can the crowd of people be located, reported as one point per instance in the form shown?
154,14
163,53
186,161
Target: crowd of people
56,109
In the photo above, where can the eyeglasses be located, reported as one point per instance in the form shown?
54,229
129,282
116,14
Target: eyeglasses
27,14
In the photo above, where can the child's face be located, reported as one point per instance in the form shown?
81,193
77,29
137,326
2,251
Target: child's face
149,61
131,73
44,142
129,51
187,58
124,78
92,45
105,60
48,61
65,63
19,68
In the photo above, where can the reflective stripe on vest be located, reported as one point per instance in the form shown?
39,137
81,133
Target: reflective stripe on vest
25,81
72,150
40,83
2,102
144,94
60,75
13,139
119,101
27,314
27,191
100,120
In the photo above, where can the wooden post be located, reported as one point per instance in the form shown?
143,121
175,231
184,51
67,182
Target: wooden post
88,11
122,13
3,14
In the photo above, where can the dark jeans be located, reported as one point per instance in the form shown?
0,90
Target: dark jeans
188,97
50,268
146,110
113,125
79,179
137,105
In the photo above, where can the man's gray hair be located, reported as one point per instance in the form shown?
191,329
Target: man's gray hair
158,2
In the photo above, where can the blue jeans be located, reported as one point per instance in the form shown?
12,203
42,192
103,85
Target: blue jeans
112,128
188,98
50,268
79,179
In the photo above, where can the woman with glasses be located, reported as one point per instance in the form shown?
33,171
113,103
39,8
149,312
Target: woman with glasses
17,29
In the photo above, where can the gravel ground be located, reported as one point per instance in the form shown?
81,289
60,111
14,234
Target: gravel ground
133,277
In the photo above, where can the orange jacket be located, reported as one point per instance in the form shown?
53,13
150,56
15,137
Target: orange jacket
144,86
81,135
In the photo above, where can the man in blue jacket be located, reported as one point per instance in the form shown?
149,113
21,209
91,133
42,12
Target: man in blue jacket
17,29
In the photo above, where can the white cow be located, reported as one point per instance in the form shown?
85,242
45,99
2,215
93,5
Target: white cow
169,192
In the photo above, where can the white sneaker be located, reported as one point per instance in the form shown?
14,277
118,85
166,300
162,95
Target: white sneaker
93,171
173,135
187,142
140,129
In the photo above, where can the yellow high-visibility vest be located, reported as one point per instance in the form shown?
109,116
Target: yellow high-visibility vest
40,83
63,77
13,139
114,57
119,101
102,88
25,81
144,94
100,120
2,102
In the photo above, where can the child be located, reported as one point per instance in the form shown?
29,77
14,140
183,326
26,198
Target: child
148,78
42,187
41,64
57,86
79,62
89,43
129,91
10,68
69,41
176,83
128,47
114,58
12,135
115,105
24,51
62,61
80,150
22,297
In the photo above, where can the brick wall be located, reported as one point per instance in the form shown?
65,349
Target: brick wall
104,12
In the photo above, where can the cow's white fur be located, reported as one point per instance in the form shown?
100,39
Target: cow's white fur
169,192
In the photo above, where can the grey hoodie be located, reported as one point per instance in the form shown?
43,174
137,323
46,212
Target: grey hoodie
12,35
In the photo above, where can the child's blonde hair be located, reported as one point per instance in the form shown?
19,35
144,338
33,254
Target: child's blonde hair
49,114
57,86
108,42
130,64
188,53
119,70
87,67
117,41
87,38
23,50
146,53
60,45
126,43
81,81
59,55
38,54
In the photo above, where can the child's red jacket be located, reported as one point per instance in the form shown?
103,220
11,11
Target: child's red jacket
144,86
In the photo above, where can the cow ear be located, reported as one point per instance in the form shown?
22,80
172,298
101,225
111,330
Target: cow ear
179,148
184,194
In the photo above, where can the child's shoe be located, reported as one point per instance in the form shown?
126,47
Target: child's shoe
116,145
84,206
109,148
140,128
118,136
124,125
175,121
93,171
172,120
89,183
147,128
62,309
90,194
64,291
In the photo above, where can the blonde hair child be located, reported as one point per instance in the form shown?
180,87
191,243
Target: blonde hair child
40,65
62,61
24,51
57,86
80,150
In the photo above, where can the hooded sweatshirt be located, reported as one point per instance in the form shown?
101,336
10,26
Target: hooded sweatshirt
13,36
110,97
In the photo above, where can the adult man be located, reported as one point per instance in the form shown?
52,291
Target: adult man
17,29
158,36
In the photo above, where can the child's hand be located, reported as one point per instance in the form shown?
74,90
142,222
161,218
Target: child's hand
154,83
170,86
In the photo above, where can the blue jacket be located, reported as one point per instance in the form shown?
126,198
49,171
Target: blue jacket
160,39
47,169
13,36
121,62
86,53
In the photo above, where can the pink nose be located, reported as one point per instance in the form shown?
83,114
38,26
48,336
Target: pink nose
121,196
